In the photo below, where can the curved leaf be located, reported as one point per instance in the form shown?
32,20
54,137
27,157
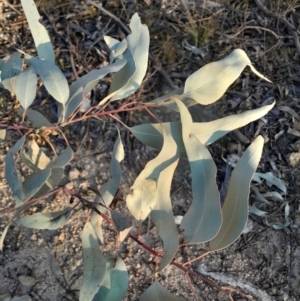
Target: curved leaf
144,191
116,47
162,214
206,132
203,219
51,220
138,45
158,293
10,71
25,87
94,264
63,159
272,180
115,282
38,31
110,188
52,77
36,118
3,235
211,81
235,207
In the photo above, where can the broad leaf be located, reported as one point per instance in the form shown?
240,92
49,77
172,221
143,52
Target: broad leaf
25,87
158,293
235,207
211,81
110,188
206,132
94,264
138,46
38,31
10,71
36,118
3,235
63,159
52,77
203,218
13,179
162,214
33,184
115,282
82,86
18,145
50,221
144,190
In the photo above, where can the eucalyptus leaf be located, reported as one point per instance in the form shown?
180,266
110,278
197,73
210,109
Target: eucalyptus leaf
235,207
38,31
50,221
25,88
115,282
110,188
116,47
10,71
3,235
12,178
94,264
269,177
205,132
254,210
36,118
203,218
120,220
211,81
162,214
18,145
63,159
138,46
52,77
158,293
144,190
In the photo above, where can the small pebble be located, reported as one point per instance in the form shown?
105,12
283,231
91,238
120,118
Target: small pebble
74,174
27,281
21,298
33,237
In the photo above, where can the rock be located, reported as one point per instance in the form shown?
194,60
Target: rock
5,297
74,174
21,298
27,281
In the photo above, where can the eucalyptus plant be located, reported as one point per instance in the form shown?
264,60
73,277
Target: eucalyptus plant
205,220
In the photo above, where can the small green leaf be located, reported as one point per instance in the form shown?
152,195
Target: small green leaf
211,81
50,221
10,71
272,180
156,292
2,135
33,184
235,207
138,46
36,118
13,179
52,77
94,264
40,36
26,85
144,190
203,218
110,188
206,132
63,159
115,282
162,214
116,47
18,145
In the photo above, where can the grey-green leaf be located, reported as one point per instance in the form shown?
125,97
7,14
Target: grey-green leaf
110,188
10,71
26,85
206,132
52,77
33,184
63,159
138,44
144,190
50,221
36,118
235,207
162,214
13,179
156,292
94,264
115,282
38,31
203,218
3,235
